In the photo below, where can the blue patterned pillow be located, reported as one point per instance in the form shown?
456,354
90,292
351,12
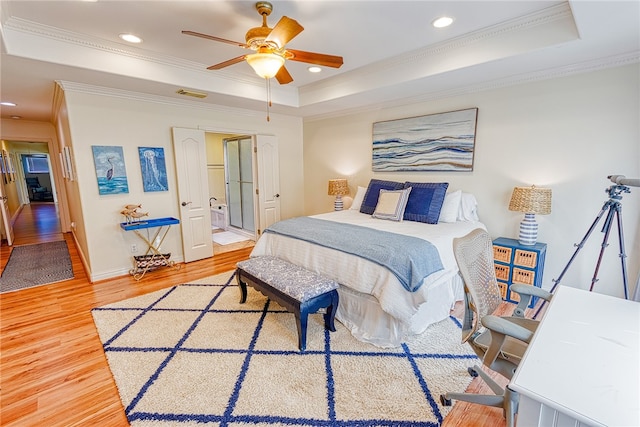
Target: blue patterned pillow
373,191
425,201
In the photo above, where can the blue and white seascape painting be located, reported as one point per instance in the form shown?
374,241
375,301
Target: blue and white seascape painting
154,170
437,142
110,170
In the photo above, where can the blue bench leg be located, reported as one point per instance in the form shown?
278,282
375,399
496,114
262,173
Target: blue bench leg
243,288
330,313
301,320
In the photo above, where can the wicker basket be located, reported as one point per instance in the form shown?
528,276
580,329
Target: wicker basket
502,253
149,262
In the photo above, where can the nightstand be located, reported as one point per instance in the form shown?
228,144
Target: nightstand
517,263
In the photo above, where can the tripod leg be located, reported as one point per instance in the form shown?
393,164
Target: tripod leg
606,230
579,246
623,255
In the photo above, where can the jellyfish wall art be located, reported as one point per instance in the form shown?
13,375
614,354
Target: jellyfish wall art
154,171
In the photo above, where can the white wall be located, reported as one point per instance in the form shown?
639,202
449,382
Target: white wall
568,134
105,120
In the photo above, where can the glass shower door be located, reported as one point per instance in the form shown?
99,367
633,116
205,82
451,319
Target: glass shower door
239,164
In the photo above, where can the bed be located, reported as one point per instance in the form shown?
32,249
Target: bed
375,303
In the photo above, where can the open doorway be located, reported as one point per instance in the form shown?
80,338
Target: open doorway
37,176
32,160
230,176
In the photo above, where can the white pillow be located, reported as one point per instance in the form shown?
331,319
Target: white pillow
358,198
468,208
450,207
391,204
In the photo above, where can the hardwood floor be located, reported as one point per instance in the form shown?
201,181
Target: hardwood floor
53,369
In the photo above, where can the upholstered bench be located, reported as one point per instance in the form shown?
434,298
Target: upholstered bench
298,290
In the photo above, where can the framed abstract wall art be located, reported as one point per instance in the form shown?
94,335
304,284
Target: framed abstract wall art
67,163
153,167
436,142
110,170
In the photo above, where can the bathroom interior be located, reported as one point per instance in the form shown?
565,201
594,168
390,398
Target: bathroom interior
230,175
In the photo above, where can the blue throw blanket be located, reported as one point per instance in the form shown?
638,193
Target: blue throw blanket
410,259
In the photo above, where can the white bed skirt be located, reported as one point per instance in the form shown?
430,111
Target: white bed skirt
368,322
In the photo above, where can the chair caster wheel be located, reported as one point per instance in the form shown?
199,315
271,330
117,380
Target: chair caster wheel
472,372
445,401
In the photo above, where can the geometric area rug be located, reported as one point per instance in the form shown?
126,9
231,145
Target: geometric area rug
192,355
34,265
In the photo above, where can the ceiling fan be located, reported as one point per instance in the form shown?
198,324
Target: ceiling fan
269,46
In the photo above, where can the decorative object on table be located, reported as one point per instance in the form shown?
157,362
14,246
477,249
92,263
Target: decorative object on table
338,188
530,200
437,142
248,354
131,213
153,168
110,169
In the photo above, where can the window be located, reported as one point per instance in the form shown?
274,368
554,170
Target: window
36,164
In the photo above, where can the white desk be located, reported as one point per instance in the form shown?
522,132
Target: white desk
583,363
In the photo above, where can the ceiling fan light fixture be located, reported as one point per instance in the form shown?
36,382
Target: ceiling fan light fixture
266,65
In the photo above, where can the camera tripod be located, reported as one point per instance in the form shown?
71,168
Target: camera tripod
612,207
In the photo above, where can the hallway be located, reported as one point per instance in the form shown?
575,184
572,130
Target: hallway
36,223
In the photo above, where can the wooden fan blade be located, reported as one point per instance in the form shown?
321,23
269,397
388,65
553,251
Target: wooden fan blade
283,76
227,63
315,58
214,38
284,31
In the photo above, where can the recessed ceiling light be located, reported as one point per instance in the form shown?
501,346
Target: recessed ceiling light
7,104
314,69
130,38
442,22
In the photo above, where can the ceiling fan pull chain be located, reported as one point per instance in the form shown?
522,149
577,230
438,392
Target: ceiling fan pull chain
268,81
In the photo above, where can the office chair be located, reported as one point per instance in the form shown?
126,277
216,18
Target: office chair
499,342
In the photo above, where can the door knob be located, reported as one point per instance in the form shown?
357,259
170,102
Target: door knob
185,203
276,196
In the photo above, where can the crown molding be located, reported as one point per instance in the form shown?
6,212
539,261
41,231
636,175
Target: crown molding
156,99
514,80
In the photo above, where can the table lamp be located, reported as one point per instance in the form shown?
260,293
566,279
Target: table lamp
338,188
530,200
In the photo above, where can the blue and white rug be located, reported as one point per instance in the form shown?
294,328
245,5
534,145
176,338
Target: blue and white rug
192,355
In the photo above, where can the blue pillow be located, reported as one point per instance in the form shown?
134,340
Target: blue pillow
373,191
425,201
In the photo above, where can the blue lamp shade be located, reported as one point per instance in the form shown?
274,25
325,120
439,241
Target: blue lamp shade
530,200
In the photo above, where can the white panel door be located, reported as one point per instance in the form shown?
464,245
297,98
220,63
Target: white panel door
193,193
268,171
